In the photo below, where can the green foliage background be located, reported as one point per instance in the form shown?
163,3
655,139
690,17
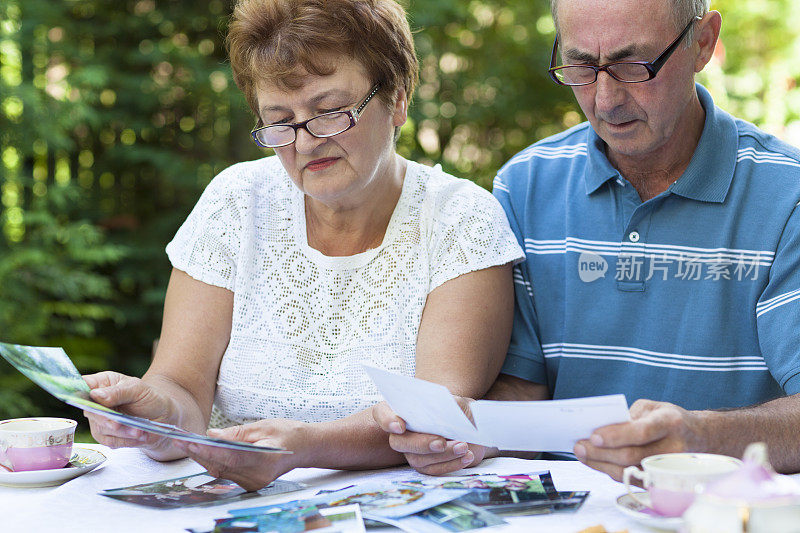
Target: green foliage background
115,115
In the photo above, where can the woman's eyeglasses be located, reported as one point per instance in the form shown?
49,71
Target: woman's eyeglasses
321,126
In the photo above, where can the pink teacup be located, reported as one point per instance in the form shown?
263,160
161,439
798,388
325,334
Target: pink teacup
674,479
36,443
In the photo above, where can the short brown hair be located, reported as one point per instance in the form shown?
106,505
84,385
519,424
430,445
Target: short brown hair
269,39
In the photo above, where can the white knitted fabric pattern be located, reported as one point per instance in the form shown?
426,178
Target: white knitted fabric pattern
303,322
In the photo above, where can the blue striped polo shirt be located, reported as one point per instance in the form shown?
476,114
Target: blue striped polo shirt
692,297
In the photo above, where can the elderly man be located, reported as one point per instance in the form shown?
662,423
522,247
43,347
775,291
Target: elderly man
663,259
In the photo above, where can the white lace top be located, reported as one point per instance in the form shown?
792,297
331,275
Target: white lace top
303,322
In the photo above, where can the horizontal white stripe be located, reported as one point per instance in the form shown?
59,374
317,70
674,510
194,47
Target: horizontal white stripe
776,305
499,185
663,256
633,248
773,156
772,161
658,359
546,152
778,298
552,156
554,149
699,358
519,279
528,287
738,251
656,251
664,365
670,247
762,159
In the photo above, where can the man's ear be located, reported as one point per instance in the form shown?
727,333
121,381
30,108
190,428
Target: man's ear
707,35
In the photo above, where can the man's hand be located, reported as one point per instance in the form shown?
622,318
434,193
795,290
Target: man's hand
655,427
430,454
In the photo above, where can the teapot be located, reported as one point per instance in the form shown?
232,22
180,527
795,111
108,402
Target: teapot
752,499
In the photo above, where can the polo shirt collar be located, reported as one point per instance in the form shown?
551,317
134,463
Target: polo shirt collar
598,167
710,172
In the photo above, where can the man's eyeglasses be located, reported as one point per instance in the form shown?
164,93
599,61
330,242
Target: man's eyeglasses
321,126
624,71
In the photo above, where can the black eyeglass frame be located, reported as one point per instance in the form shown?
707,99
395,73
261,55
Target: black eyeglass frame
652,66
353,114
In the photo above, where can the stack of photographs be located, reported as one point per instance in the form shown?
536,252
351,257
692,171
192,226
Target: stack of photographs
514,495
431,505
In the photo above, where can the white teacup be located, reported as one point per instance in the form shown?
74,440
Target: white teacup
36,443
674,479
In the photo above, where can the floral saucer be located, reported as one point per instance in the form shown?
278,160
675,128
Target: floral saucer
646,516
85,458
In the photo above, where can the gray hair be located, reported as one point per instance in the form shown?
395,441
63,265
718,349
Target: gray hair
682,12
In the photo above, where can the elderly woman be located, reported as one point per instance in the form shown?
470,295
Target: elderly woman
294,270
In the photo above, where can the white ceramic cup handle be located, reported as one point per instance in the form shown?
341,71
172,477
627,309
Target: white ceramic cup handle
634,472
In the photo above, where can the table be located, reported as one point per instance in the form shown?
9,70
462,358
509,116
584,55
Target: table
76,506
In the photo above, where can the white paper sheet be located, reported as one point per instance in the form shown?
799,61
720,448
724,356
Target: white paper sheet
552,426
546,426
426,407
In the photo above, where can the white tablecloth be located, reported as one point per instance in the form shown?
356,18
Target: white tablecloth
77,507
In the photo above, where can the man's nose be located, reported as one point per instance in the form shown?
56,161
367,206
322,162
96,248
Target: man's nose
609,93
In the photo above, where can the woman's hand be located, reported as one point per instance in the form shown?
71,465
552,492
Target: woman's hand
255,470
131,396
430,454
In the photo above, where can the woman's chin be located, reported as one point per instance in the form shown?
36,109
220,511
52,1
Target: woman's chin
328,193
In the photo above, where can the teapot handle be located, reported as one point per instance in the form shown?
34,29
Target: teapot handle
756,453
